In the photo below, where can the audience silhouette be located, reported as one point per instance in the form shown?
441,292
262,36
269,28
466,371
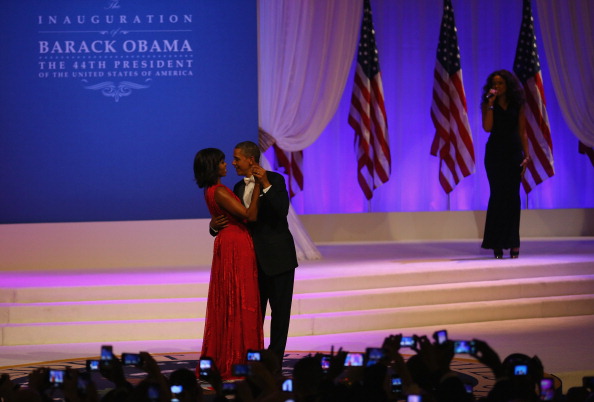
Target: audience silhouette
383,375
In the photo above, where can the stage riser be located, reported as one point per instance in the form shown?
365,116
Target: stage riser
506,270
354,288
309,324
312,303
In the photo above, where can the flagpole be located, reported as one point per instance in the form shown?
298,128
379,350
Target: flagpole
449,205
368,205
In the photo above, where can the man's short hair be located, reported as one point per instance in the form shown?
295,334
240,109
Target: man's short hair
249,149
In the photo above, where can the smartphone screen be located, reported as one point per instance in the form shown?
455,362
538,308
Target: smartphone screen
441,336
520,369
325,363
130,359
92,365
254,356
407,342
374,355
354,359
287,385
396,385
177,389
547,389
205,366
56,377
107,352
464,347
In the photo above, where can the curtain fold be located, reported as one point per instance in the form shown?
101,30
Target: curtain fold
306,50
567,30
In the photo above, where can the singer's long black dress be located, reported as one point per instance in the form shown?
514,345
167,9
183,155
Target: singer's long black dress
503,157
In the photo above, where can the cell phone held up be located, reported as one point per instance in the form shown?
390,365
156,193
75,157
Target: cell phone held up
107,356
464,347
374,355
132,359
354,359
408,342
205,368
396,386
325,363
56,377
253,356
440,337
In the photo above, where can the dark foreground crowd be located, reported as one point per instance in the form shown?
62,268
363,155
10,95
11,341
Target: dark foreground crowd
380,374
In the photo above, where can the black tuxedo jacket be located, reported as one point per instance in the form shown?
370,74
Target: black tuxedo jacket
273,242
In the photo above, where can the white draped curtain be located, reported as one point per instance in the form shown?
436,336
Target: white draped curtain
305,49
567,30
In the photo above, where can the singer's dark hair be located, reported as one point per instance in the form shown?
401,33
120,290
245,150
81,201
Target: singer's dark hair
206,166
514,93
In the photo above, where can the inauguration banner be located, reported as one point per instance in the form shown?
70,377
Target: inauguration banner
104,104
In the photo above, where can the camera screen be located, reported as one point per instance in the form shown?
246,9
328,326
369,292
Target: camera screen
466,347
521,369
288,385
177,389
396,383
106,353
92,365
374,355
253,356
547,389
441,336
407,341
130,359
56,377
414,398
354,359
204,364
325,363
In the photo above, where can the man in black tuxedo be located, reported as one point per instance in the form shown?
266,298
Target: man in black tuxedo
273,242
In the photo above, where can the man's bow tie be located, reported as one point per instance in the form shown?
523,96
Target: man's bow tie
248,180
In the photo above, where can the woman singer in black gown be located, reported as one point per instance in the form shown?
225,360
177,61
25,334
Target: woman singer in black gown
506,157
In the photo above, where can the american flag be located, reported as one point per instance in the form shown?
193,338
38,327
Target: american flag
453,139
291,162
367,115
527,68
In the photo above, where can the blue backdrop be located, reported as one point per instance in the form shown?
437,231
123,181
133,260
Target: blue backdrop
105,103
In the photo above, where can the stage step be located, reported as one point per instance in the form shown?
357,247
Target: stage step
307,303
396,295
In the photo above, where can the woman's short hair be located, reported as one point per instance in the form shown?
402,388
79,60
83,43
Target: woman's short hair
206,166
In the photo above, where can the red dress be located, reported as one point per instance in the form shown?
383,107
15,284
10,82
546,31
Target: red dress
233,317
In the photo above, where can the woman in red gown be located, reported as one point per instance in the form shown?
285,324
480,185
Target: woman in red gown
233,316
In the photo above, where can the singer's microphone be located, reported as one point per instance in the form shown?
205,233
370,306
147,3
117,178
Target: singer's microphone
489,95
